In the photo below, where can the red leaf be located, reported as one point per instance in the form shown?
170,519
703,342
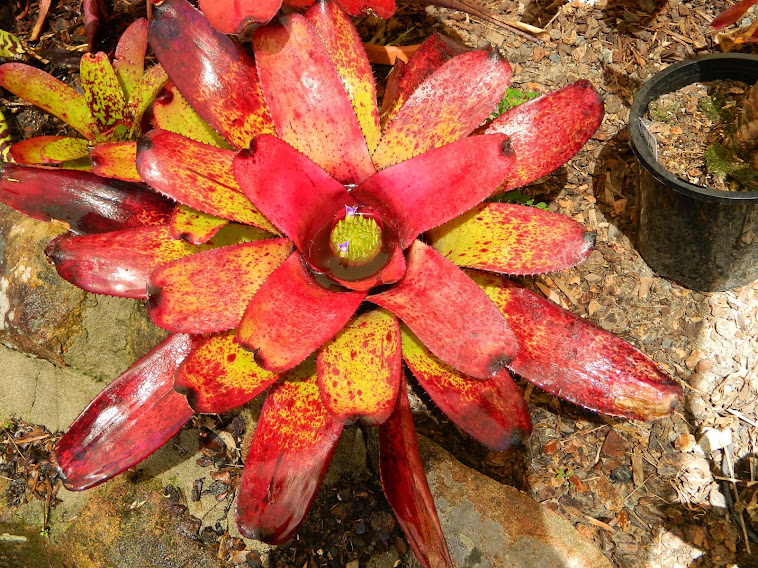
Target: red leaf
308,101
292,315
732,14
578,361
134,416
298,199
404,483
213,73
381,8
88,203
428,190
290,452
233,16
116,263
450,314
547,131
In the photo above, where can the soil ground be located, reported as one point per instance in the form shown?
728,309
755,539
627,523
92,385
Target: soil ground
677,493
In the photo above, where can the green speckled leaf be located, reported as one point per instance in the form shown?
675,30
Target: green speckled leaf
10,46
172,112
64,150
5,138
102,91
144,94
49,94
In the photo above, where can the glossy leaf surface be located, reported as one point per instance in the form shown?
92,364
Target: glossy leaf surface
513,239
115,160
584,364
197,175
219,375
360,369
49,94
298,199
299,80
232,16
547,131
292,315
88,203
116,263
492,411
450,314
405,486
209,69
129,60
209,291
343,44
448,105
102,90
135,415
293,444
732,14
430,189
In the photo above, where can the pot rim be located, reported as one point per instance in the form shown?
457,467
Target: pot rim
738,66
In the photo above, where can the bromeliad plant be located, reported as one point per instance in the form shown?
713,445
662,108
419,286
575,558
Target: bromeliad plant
108,113
341,245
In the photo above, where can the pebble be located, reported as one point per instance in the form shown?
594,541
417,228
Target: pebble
685,443
712,439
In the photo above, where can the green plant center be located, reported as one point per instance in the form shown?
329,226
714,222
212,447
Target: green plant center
356,239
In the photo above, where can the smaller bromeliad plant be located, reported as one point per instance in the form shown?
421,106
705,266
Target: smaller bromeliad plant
107,113
323,246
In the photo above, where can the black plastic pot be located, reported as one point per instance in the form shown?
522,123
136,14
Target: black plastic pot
704,239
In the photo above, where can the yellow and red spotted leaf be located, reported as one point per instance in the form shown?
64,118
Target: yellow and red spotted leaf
102,91
292,315
134,416
307,100
49,94
63,150
115,160
197,175
194,226
293,443
513,239
86,202
448,105
430,189
299,199
209,291
172,112
219,376
407,491
215,75
547,131
492,411
343,43
144,94
30,151
129,60
233,16
360,369
116,263
405,79
450,314
578,361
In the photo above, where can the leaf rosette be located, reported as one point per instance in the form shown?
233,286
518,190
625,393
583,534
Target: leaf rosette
325,246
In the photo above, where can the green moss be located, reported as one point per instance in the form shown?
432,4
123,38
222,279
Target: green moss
662,113
723,162
513,97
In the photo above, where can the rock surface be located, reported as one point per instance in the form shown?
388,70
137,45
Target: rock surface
490,525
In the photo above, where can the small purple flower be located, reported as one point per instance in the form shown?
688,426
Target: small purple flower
350,211
344,246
